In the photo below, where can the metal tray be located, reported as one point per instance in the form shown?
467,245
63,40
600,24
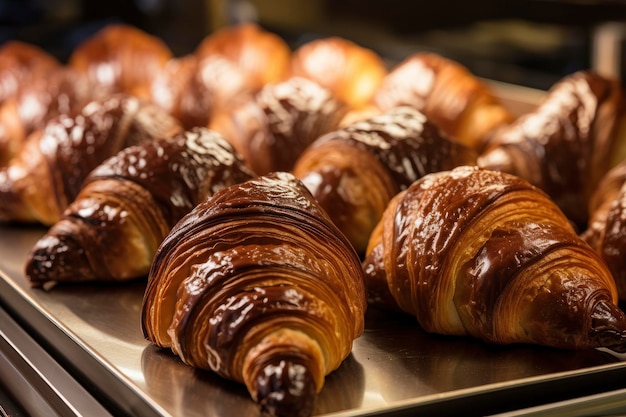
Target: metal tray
395,368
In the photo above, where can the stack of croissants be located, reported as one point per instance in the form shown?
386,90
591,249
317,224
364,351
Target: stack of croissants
271,195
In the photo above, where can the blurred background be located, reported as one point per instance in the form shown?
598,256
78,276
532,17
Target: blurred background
526,42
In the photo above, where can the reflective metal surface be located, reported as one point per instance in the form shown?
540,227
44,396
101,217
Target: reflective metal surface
395,368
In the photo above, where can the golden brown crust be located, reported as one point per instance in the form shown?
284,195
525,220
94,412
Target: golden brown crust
272,288
350,71
451,96
261,55
493,257
568,143
121,59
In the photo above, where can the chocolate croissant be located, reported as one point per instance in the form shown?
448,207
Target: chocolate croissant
120,59
353,73
59,91
460,103
259,286
482,253
47,174
191,88
273,128
567,144
354,171
606,232
129,203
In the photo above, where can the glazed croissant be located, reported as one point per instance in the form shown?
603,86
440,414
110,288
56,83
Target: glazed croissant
129,203
21,62
354,171
258,285
59,91
40,182
350,71
567,144
273,128
477,252
263,57
120,59
191,88
461,104
606,232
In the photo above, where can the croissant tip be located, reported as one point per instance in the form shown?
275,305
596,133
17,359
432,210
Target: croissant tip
286,390
55,258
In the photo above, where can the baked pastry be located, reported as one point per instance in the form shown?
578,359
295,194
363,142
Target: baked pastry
258,285
59,91
485,254
567,144
47,174
262,56
355,170
128,204
121,58
606,232
452,97
191,89
353,73
272,128
20,62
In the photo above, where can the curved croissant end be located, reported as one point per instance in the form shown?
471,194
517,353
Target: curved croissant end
258,285
481,253
128,204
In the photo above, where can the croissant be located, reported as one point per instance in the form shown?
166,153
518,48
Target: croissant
485,254
354,171
40,182
273,128
567,144
606,232
192,88
60,91
20,62
262,56
121,59
351,72
129,203
259,286
451,96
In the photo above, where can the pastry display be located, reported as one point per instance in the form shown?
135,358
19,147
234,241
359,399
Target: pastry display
485,254
460,103
567,144
258,285
272,129
46,175
129,203
354,171
351,72
261,198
